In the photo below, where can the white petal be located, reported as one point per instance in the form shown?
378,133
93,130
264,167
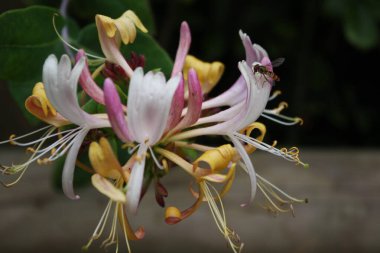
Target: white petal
49,77
149,104
247,161
68,169
135,181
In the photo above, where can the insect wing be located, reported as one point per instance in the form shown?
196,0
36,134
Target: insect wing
277,62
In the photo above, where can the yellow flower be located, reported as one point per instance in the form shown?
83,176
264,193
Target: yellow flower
209,74
122,28
109,179
39,105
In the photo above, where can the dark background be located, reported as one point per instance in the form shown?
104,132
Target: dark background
329,76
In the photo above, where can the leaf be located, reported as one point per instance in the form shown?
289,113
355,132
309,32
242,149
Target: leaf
20,90
360,27
88,40
28,38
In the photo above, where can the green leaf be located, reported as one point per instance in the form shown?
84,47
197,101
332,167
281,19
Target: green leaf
28,38
88,40
360,27
20,90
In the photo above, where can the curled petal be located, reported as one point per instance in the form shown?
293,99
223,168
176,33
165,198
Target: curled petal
87,83
183,48
37,111
217,159
248,130
173,215
104,186
115,111
39,105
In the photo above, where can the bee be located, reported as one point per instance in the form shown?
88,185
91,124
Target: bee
265,69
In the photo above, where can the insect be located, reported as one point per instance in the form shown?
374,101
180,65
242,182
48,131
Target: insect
266,72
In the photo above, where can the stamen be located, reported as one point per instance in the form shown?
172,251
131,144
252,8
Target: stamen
30,150
161,167
165,165
97,71
68,44
13,136
220,217
290,155
100,227
289,121
275,94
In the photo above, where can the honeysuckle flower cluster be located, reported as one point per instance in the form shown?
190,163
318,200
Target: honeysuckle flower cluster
158,119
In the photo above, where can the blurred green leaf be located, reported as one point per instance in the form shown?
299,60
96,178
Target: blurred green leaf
20,90
360,27
28,38
88,40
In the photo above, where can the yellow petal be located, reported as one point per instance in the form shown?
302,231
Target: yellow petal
133,17
39,105
41,100
107,23
209,74
104,186
216,159
172,215
123,28
103,160
249,129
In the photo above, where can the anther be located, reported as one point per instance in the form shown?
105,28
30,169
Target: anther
30,150
11,139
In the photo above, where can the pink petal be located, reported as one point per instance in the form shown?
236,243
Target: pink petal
194,103
115,111
183,48
250,53
87,83
176,107
267,63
